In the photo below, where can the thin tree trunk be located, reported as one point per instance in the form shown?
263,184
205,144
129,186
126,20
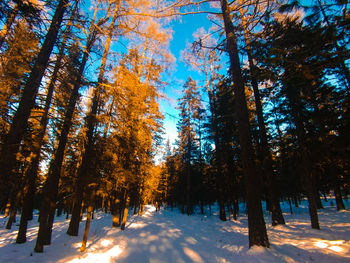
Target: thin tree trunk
222,212
256,222
14,201
235,209
19,124
188,184
12,217
296,201
337,191
290,205
141,208
338,198
7,209
90,210
125,212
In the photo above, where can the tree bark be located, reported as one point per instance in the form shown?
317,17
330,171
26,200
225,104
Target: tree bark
90,210
276,212
116,213
337,191
125,212
256,222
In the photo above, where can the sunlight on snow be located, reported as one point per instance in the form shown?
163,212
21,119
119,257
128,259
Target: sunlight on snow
194,256
336,249
106,242
137,225
330,245
105,256
321,244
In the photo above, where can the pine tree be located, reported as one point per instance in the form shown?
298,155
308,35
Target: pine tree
256,223
190,113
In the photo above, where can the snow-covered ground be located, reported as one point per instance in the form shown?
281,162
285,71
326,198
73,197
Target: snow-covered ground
167,236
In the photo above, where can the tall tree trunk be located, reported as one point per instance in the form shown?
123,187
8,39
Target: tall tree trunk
256,222
31,174
90,124
19,124
276,212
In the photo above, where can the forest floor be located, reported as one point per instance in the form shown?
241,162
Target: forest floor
169,236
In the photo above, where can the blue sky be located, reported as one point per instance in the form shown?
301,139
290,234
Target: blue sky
183,29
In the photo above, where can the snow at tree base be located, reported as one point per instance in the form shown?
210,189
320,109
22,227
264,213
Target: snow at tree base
169,236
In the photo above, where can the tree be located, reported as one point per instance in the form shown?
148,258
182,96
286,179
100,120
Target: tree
190,114
19,123
48,204
266,157
256,223
31,173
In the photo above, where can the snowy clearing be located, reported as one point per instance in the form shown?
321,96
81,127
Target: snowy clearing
172,237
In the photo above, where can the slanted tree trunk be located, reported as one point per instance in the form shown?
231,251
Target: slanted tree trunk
256,222
19,123
31,174
51,185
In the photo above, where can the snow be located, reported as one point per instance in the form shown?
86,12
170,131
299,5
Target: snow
169,236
